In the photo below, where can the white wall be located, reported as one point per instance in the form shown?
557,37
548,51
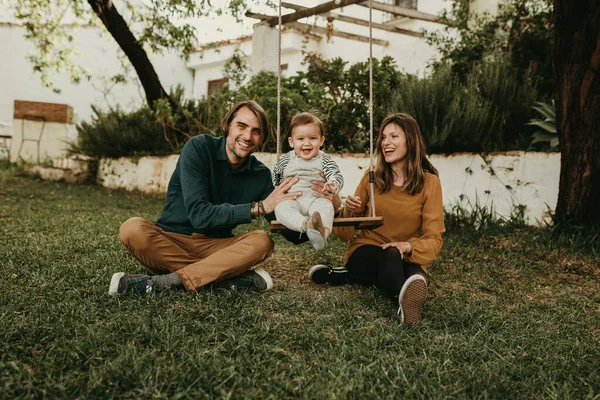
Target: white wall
53,140
98,53
502,181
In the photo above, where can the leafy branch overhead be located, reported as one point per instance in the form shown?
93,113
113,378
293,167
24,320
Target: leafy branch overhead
56,30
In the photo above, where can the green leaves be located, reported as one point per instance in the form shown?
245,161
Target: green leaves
548,134
159,25
520,31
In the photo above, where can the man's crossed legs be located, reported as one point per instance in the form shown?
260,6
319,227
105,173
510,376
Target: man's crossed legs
192,260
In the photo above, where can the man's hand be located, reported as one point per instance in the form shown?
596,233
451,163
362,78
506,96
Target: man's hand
405,248
280,193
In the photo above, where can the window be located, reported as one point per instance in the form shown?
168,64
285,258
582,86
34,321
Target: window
406,3
284,70
215,86
410,4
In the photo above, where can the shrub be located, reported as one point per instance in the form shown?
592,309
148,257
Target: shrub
485,112
117,133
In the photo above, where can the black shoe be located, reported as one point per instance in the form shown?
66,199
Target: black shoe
122,284
319,274
257,279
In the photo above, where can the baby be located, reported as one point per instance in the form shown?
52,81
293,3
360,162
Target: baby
308,213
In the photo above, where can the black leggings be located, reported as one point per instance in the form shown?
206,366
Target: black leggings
370,265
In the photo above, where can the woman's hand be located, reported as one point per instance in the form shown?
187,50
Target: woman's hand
405,248
280,193
355,204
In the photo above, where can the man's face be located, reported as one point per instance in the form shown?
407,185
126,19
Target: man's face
244,136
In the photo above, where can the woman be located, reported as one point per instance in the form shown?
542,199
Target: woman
408,195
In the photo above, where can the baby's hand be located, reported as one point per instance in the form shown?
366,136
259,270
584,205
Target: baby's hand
330,188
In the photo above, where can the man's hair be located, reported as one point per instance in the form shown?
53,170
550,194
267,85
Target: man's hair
253,106
306,118
416,157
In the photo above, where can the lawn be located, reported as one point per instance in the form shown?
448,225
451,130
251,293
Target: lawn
513,312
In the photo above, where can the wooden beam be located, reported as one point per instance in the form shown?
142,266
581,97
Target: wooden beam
344,18
405,12
309,12
306,28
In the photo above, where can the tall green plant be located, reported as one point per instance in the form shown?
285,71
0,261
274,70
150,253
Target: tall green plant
547,134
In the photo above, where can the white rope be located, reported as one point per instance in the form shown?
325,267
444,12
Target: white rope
371,172
279,174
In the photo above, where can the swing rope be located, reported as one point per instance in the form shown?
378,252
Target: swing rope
371,161
278,174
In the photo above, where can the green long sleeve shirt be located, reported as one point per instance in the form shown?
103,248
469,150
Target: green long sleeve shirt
205,196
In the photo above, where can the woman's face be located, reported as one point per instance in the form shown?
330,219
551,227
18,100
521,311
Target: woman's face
393,144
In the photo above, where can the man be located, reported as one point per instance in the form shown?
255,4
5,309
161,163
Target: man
217,184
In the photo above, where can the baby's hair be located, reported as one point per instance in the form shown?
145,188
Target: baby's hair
305,118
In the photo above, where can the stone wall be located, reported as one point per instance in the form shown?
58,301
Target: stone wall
504,181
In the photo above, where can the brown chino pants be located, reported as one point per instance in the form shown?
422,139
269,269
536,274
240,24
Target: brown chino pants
197,259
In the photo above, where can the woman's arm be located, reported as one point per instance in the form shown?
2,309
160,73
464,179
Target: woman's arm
426,247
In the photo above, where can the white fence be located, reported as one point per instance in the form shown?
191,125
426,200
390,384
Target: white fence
504,181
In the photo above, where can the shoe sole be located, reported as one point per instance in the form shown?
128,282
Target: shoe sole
267,278
411,299
313,269
114,283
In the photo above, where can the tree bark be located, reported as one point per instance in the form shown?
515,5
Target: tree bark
576,71
118,28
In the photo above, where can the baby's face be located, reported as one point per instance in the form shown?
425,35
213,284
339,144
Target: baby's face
306,140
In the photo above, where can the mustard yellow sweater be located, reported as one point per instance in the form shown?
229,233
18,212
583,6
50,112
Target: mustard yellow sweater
418,219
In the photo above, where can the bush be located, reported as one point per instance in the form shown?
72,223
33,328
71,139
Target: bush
117,133
485,112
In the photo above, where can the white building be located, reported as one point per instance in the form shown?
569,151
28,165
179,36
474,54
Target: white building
412,54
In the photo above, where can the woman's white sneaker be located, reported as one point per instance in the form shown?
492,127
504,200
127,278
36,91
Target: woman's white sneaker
411,299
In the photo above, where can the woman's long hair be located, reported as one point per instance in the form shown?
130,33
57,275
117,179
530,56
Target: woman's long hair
416,162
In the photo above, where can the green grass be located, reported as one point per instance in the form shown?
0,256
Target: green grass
513,312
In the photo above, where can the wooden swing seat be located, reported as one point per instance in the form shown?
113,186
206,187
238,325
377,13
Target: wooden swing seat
358,223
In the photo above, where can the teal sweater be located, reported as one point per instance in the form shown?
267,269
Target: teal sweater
206,196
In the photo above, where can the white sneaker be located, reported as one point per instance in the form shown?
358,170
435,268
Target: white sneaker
257,279
411,299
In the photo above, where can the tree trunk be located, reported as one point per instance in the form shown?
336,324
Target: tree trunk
576,71
118,28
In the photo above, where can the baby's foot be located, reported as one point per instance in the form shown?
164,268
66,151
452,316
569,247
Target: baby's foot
316,231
